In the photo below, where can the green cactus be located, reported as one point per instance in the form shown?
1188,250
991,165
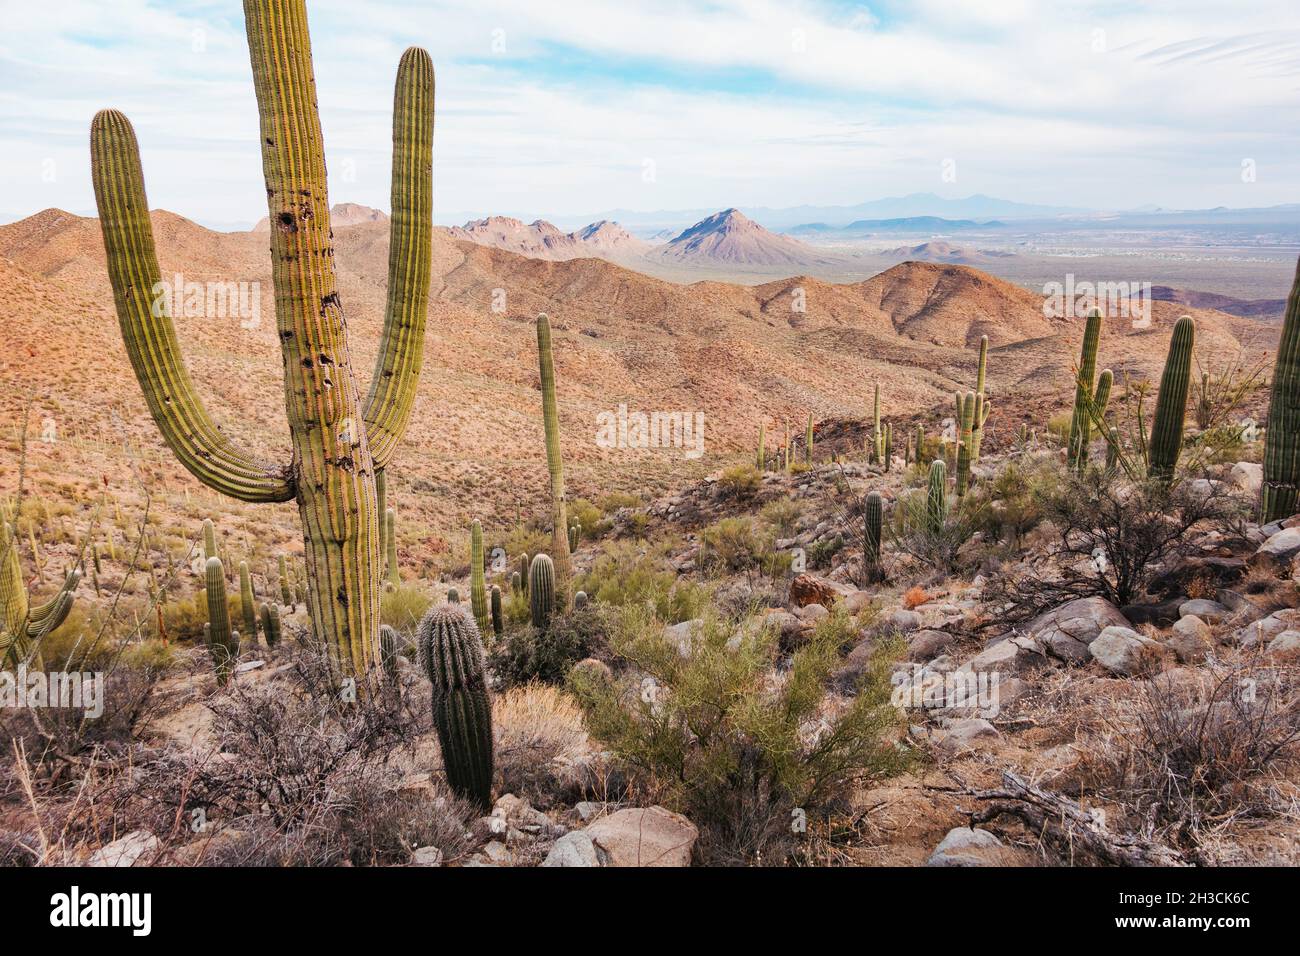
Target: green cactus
877,445
1166,441
498,615
762,450
223,642
573,538
524,564
887,449
477,584
873,517
936,504
388,641
22,625
541,587
381,506
339,438
270,624
247,607
1089,400
920,443
452,653
808,441
516,583
580,600
555,465
390,547
966,405
981,403
1280,494
453,596
209,540
286,587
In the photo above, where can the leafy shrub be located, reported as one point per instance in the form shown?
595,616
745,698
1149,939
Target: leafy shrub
821,553
525,654
739,481
617,500
782,514
404,605
910,531
723,737
593,520
623,575
734,545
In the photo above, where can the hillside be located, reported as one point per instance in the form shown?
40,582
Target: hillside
732,238
741,355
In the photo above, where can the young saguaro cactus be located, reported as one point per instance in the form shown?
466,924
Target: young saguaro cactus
936,504
541,588
1280,494
1089,400
452,653
388,641
339,437
22,625
555,465
270,624
873,516
223,642
808,441
247,607
498,615
1171,403
877,441
477,582
762,446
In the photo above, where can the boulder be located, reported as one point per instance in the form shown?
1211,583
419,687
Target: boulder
1267,628
1067,631
136,846
427,856
1248,476
649,836
857,601
965,734
1210,611
1287,644
573,849
1191,639
926,645
1124,651
904,620
1161,614
683,635
1010,656
965,846
1278,549
808,589
1220,571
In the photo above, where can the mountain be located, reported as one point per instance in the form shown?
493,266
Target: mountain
919,224
1271,309
730,237
544,240
739,355
939,251
341,214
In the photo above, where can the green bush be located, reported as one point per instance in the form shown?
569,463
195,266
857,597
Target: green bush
404,605
525,655
618,500
783,515
593,520
623,576
720,737
739,481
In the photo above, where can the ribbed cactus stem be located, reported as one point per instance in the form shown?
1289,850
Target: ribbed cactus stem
22,625
541,591
762,446
209,539
887,450
453,596
1080,419
877,445
808,441
390,547
1166,441
270,625
388,642
574,530
286,589
920,443
525,563
1280,494
580,600
452,653
516,583
247,605
873,516
223,644
498,615
338,440
936,504
555,465
477,581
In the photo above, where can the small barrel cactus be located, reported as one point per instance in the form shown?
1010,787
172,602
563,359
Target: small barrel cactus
580,600
541,591
451,652
453,596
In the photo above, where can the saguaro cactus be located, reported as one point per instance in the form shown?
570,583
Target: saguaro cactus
452,653
477,584
877,441
936,503
498,616
388,641
808,441
270,625
247,607
1089,400
390,547
762,449
1171,404
555,464
873,516
966,415
981,403
209,539
1280,494
223,642
541,591
339,440
23,626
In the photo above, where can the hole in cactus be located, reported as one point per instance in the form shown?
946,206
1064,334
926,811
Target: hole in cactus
287,222
306,363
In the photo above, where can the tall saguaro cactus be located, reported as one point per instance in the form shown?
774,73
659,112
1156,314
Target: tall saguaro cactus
1280,494
555,464
872,517
1089,400
477,581
339,439
1171,404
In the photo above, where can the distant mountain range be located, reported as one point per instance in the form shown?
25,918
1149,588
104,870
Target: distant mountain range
906,225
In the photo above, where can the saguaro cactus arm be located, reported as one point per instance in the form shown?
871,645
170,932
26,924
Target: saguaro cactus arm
144,314
401,349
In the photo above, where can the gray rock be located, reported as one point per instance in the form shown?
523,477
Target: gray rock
1191,639
683,635
1123,651
967,733
127,850
1267,628
1279,548
1010,656
588,810
904,620
1248,476
857,601
1067,631
1288,642
573,849
1211,611
925,645
427,856
644,837
964,846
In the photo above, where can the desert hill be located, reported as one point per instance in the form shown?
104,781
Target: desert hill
740,355
544,240
940,251
341,214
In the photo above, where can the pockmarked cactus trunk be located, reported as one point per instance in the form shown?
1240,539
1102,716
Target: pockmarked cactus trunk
1280,494
339,439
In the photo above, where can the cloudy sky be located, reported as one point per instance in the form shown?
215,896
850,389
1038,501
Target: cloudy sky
581,106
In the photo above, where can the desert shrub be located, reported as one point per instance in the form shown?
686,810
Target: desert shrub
1013,499
735,545
539,731
822,553
739,481
908,528
722,736
624,575
525,655
593,520
1189,754
402,606
637,524
527,540
617,500
1058,426
782,514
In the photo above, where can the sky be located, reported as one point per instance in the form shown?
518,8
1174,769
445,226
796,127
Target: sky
570,108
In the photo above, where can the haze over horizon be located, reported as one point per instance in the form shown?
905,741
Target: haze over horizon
655,106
